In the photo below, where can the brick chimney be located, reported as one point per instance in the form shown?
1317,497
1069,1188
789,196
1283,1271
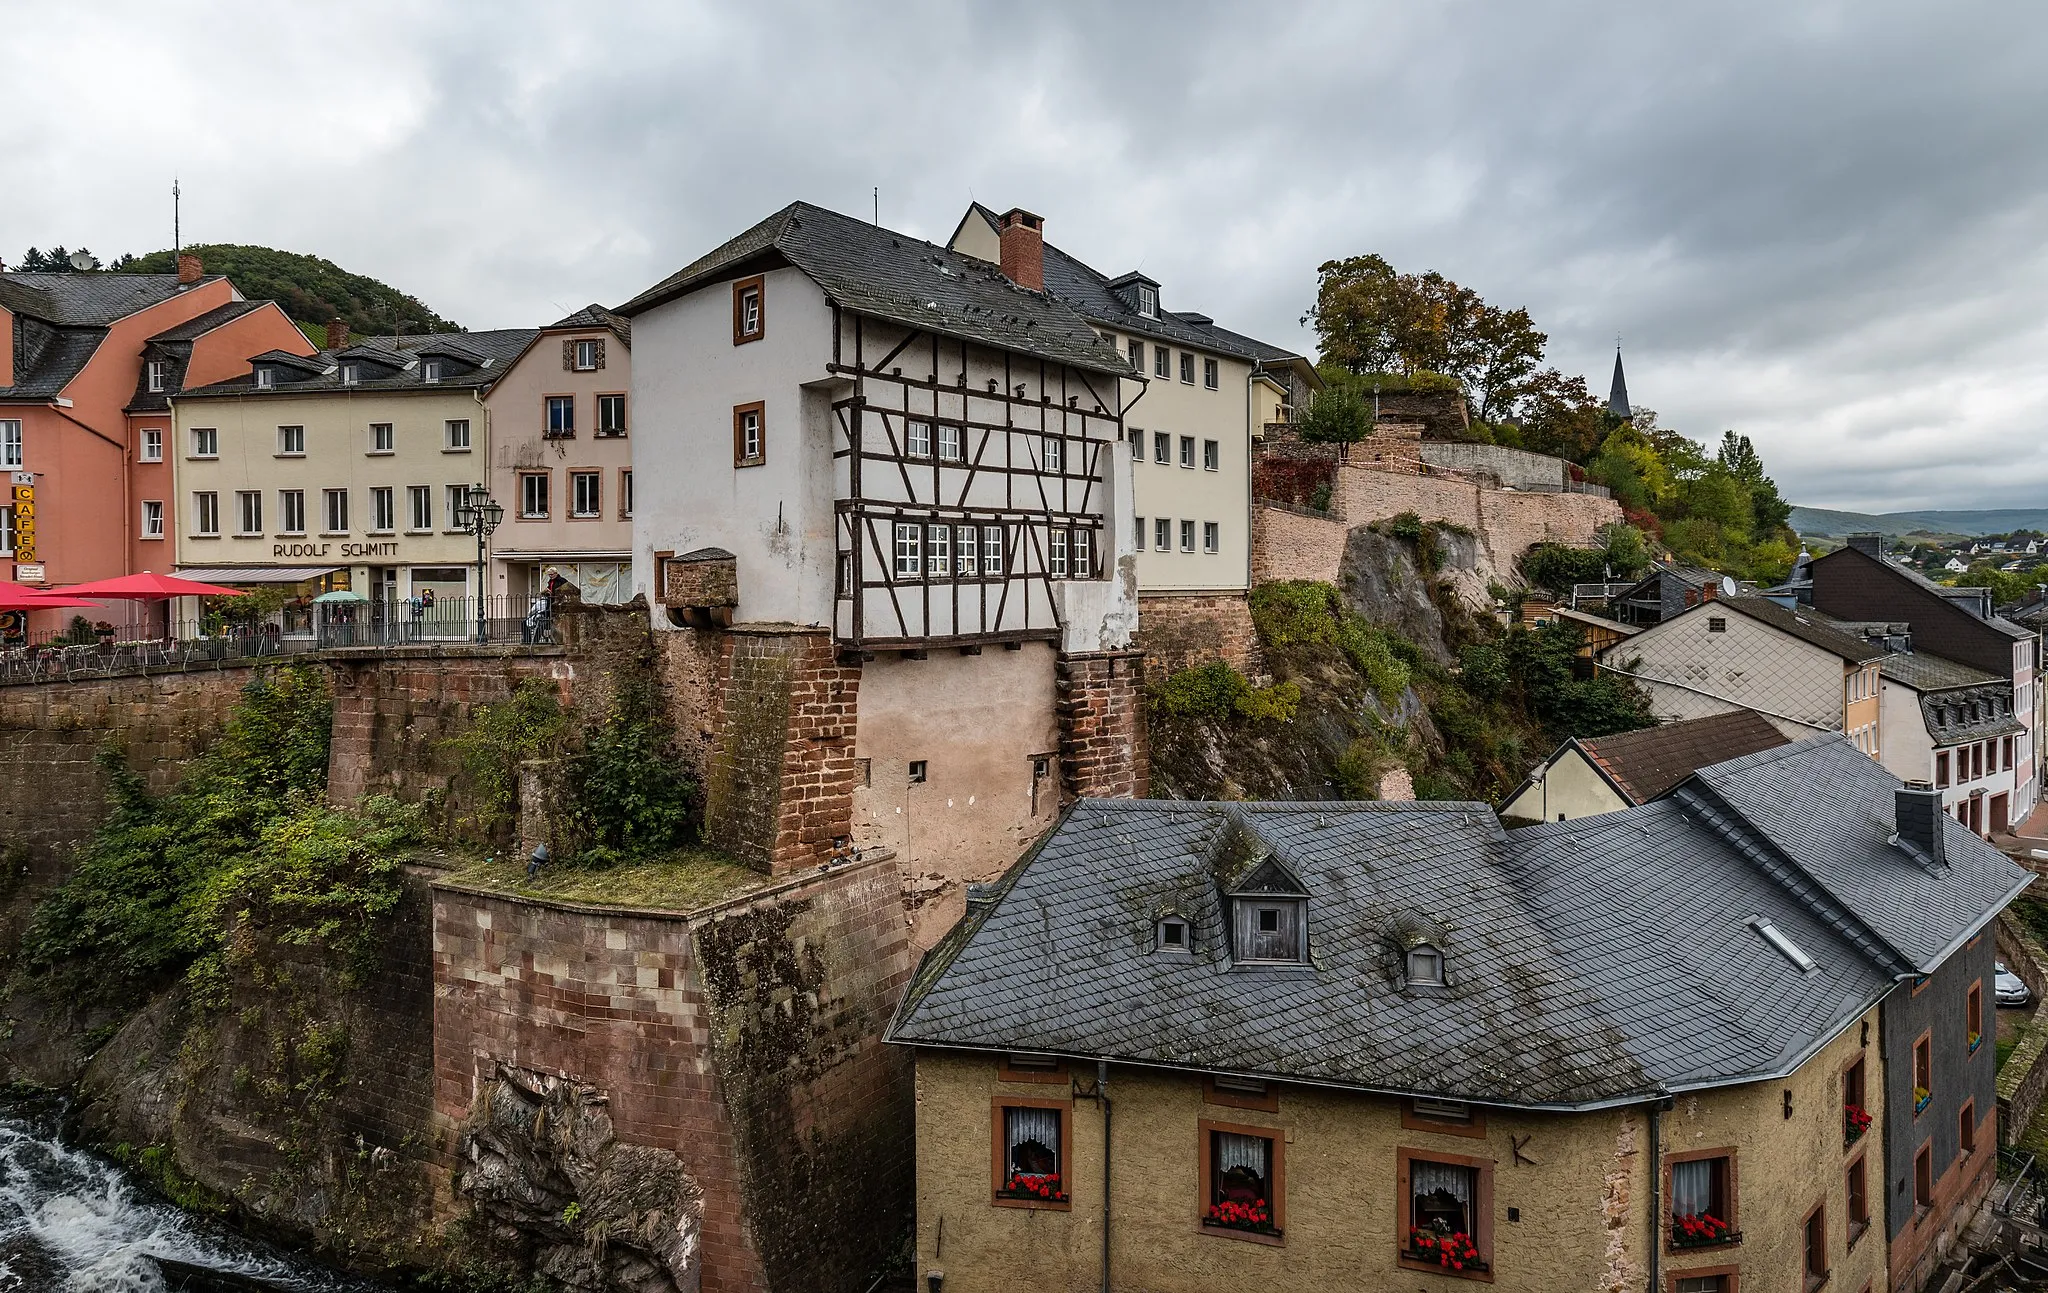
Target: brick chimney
1917,814
1870,545
189,269
337,334
1023,249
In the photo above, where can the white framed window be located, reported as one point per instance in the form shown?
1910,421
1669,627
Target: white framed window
336,503
586,356
611,415
7,530
1187,452
1209,373
586,491
533,495
291,511
383,513
381,439
458,498
430,370
991,550
917,438
1148,300
1162,448
1083,556
1162,534
626,493
938,548
1137,445
10,442
206,514
1162,361
1187,368
205,442
265,378
152,519
1056,554
152,444
419,501
350,374
158,373
1187,536
455,435
561,415
1212,456
949,442
967,552
909,550
291,442
748,446
1055,454
1212,535
248,512
1137,352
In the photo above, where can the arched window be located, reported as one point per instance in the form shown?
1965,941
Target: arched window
1425,966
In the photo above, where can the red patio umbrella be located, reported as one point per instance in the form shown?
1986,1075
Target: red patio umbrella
148,587
30,601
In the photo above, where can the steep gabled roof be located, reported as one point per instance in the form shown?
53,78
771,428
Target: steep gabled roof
1814,631
61,319
904,280
1646,764
595,316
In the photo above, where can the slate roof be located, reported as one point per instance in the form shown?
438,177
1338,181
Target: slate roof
1816,631
1924,671
1590,962
1646,764
1943,591
199,325
60,320
494,350
905,280
595,316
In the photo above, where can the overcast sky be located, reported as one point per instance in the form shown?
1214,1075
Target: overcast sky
1819,224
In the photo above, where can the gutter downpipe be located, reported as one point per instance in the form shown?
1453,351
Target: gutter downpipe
1102,1094
1656,1190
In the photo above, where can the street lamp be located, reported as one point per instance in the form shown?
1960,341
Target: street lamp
479,514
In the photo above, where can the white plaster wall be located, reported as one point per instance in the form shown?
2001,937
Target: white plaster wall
1576,789
1178,493
1908,751
776,518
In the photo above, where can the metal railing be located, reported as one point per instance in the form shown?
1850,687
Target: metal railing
142,646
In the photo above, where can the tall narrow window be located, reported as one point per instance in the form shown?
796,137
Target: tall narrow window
1187,536
1137,445
1209,373
1138,354
611,415
1923,1177
457,497
1187,368
749,437
455,432
561,415
1187,451
1056,553
585,494
291,511
420,499
1083,558
1941,770
1055,454
350,374
381,439
1212,456
1148,301
586,356
383,516
1162,447
747,314
1212,536
1856,1194
1138,533
1162,361
949,442
205,514
1814,1265
1923,1074
909,550
336,501
1966,1129
152,444
967,551
152,521
10,442
939,550
7,531
991,550
1855,1112
158,371
1162,533
248,512
626,493
1973,1017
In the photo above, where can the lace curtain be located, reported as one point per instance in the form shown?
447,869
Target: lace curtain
1248,1152
1443,1196
1033,1137
1692,1187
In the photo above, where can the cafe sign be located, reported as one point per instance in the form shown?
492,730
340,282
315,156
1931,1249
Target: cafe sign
24,516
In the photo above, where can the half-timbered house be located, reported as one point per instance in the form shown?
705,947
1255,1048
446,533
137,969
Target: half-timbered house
895,470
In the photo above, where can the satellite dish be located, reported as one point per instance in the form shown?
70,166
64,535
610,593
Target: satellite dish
1728,588
84,261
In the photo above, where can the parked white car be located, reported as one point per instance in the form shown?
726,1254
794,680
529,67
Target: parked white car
2011,990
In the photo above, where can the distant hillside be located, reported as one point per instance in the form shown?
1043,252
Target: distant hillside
310,290
1812,521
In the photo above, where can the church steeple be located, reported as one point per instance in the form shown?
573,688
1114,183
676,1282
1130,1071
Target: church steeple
1617,394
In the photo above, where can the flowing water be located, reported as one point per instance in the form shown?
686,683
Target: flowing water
71,1222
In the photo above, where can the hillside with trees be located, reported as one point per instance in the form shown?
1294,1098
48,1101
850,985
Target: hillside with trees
1378,327
309,289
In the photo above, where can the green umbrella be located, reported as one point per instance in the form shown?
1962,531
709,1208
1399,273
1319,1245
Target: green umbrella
342,595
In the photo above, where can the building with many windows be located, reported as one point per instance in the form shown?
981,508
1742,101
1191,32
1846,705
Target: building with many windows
344,469
562,460
85,362
883,502
1731,1040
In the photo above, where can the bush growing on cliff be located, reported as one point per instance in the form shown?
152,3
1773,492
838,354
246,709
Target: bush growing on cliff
1216,692
629,793
530,724
1298,618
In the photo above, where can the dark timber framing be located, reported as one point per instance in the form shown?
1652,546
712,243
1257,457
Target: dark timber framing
1032,442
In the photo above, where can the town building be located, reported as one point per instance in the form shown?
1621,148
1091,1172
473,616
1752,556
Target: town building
1797,670
1730,1039
1669,590
344,469
1590,775
1956,624
1204,395
1953,727
562,461
884,512
84,361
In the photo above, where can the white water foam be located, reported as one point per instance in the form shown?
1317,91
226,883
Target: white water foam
67,1215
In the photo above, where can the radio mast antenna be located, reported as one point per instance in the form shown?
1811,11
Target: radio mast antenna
177,233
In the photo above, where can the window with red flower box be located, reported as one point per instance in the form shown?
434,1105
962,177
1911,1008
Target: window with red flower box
1700,1199
1445,1213
1031,1143
1855,1114
1244,1179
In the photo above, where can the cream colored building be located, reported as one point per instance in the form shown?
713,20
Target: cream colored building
561,460
1587,776
1204,394
343,469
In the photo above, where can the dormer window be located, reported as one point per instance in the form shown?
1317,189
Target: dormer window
1172,935
430,370
1148,300
1425,967
265,378
350,374
1270,932
158,370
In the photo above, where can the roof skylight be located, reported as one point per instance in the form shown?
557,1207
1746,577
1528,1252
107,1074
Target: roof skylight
1790,950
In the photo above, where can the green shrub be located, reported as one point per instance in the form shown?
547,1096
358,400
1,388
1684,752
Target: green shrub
530,724
1270,704
627,788
1216,692
1483,670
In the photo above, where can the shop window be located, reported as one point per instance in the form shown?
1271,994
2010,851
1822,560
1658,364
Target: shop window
1241,1169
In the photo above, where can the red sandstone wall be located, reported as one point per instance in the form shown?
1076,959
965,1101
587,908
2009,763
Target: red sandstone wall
1507,522
1102,725
1288,544
1178,633
745,1038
